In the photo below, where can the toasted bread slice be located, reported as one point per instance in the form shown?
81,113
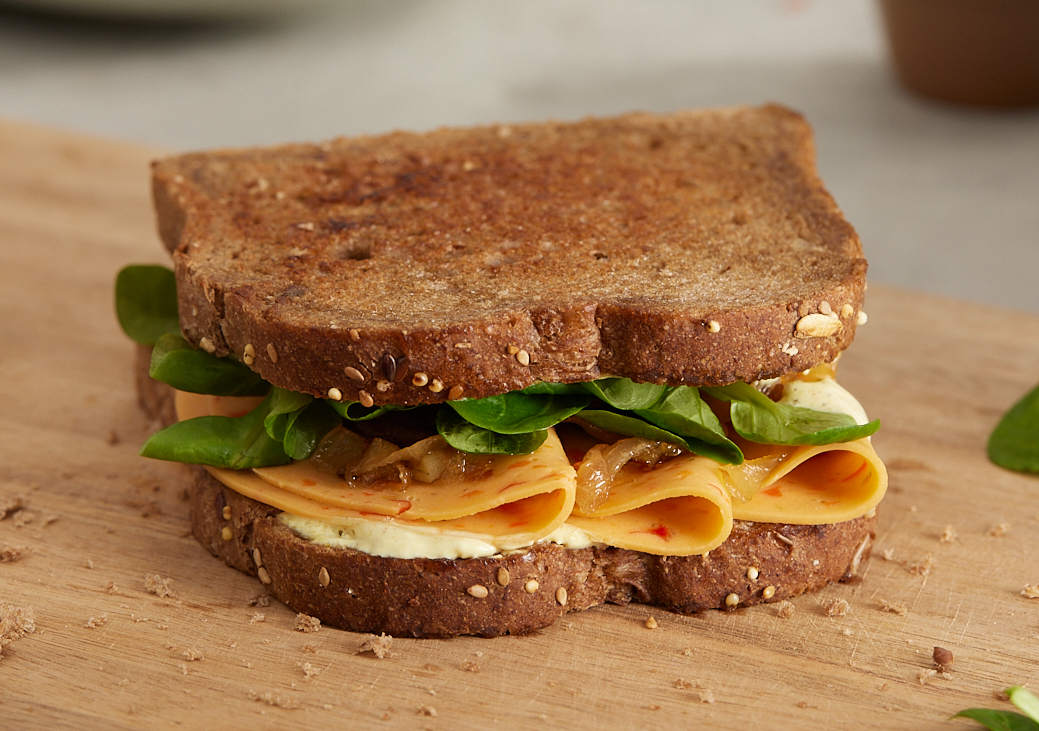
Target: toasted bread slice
692,248
525,590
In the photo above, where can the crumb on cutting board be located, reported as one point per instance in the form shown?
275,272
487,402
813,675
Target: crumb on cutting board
15,623
893,607
306,623
158,585
837,607
378,645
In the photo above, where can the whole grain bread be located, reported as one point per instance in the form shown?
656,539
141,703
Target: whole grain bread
514,593
698,247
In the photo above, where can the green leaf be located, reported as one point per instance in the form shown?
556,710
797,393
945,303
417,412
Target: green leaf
177,363
634,427
999,720
760,419
467,437
283,408
554,389
516,412
1014,443
625,394
683,412
307,427
146,302
353,411
1025,700
219,441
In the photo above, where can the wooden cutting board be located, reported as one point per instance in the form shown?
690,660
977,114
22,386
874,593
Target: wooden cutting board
937,372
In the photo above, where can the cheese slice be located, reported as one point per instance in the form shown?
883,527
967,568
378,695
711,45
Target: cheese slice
808,485
679,508
523,499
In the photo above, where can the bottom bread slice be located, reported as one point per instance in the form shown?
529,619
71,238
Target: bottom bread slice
513,593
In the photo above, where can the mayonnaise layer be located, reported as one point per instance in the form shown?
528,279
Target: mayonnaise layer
394,540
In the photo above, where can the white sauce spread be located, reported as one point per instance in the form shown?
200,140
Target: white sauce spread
824,395
396,540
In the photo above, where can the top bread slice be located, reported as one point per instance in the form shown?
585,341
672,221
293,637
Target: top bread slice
698,248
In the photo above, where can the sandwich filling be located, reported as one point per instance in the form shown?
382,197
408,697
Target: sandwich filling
647,467
680,504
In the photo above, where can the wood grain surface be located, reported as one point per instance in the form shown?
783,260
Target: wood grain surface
98,519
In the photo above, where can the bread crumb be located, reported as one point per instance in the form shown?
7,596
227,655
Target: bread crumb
922,567
681,684
894,607
99,621
999,530
888,554
652,707
309,649
10,554
651,622
427,711
50,519
470,666
260,600
11,505
847,632
15,623
306,623
309,671
785,609
948,535
110,587
706,695
1031,591
1000,695
687,651
272,699
257,617
837,607
192,654
943,659
378,645
925,674
158,585
23,517
183,668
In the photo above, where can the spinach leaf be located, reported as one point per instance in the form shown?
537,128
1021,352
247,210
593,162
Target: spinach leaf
1025,700
177,363
146,302
306,427
683,412
625,394
634,427
554,389
219,441
283,408
467,437
516,412
999,720
760,419
353,411
1014,442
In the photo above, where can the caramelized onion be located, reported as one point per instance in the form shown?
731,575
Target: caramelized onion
339,451
602,463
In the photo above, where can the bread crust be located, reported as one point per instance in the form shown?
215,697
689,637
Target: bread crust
432,597
414,268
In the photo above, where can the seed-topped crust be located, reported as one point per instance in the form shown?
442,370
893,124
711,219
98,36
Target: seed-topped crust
682,248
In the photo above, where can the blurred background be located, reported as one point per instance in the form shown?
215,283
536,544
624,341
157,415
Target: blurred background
945,197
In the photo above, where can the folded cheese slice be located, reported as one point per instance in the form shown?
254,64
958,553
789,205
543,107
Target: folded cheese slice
678,508
807,485
523,499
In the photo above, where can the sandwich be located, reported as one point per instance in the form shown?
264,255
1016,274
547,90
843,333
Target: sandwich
466,381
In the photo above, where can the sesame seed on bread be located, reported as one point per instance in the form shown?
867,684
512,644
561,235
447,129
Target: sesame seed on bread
412,268
514,593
